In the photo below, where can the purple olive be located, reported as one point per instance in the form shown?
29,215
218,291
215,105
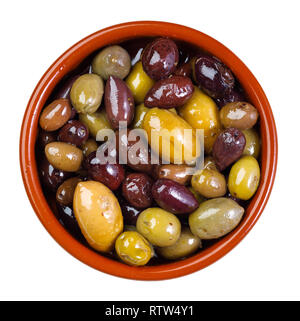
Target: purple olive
63,89
51,177
213,76
136,189
160,58
135,48
184,70
110,175
228,147
119,102
45,138
170,93
230,97
174,197
129,212
74,132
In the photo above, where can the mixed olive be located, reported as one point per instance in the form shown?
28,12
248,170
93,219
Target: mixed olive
149,212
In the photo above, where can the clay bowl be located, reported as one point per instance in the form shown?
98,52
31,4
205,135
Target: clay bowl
69,61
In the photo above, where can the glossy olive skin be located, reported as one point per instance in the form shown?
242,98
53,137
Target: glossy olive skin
160,58
55,115
229,97
98,214
186,245
177,173
209,183
65,192
64,156
128,153
213,76
136,189
244,178
95,122
110,175
184,70
130,213
173,197
89,146
159,227
241,115
86,93
252,147
45,138
215,218
169,93
228,147
112,61
133,249
50,176
119,102
139,114
73,132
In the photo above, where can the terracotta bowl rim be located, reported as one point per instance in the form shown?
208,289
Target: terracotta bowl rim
68,61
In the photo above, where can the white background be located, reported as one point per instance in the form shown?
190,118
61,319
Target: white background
265,35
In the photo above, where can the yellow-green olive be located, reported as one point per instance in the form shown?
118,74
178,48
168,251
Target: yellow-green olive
187,244
86,93
159,227
89,146
209,183
133,249
244,178
98,214
139,82
64,156
139,114
215,218
112,61
252,147
95,122
209,163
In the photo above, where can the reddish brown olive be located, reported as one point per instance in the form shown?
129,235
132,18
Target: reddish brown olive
184,70
169,93
160,58
73,132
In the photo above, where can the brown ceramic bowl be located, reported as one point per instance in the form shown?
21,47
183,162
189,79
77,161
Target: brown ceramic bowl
67,62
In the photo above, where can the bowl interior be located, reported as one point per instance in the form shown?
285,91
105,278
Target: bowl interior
67,63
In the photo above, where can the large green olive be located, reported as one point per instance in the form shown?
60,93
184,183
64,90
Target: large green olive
112,61
187,244
215,218
159,227
133,249
86,93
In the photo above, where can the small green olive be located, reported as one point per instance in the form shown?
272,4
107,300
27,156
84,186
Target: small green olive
215,218
252,147
133,249
186,245
158,226
86,93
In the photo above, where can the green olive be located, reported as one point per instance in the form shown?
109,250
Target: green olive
112,61
133,249
244,178
186,245
86,93
215,218
252,147
158,226
209,183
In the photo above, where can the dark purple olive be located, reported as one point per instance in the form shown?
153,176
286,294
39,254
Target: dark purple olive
68,220
45,138
51,177
238,200
135,48
63,89
110,175
170,93
136,189
230,97
160,58
213,76
119,102
74,132
174,197
129,212
228,147
140,159
184,70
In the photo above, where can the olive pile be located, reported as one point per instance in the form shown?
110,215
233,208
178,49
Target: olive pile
141,210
